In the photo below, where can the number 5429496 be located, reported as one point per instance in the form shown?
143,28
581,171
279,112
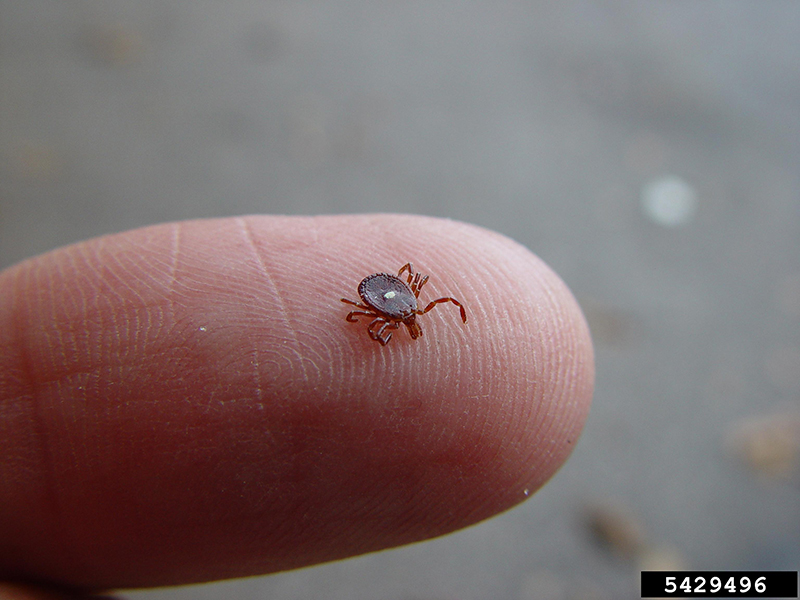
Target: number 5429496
699,585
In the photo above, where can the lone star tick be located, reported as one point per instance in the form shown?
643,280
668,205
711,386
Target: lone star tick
390,302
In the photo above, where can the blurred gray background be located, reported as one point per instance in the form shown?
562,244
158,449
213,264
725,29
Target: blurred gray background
648,151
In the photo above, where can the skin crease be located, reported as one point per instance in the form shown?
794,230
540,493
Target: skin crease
186,402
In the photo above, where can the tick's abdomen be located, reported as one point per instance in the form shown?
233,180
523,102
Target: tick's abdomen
388,295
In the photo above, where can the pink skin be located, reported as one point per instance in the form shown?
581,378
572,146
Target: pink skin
186,402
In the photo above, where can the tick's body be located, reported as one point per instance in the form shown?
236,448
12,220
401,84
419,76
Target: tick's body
392,302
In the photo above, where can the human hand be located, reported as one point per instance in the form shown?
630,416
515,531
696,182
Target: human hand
186,402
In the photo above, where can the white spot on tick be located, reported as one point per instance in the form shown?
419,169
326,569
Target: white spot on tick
389,295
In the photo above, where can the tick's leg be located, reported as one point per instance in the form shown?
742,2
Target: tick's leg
375,335
379,335
453,300
365,310
371,328
419,285
352,316
406,267
361,306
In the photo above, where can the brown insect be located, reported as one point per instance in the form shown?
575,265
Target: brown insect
392,302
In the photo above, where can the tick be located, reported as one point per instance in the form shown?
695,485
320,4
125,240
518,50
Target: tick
392,302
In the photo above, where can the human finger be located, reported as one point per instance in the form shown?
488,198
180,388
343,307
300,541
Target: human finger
187,402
